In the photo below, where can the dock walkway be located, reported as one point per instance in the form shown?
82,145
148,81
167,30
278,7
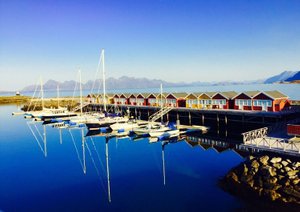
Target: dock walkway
258,140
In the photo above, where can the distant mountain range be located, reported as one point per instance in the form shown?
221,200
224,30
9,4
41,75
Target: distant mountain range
286,76
132,82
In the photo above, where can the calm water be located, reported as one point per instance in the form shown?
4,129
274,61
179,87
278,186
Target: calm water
32,182
292,90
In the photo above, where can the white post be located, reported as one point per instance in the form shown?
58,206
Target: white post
107,171
163,162
42,93
83,151
103,76
57,96
80,88
45,141
60,136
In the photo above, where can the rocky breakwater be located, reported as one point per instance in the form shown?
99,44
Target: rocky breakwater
273,178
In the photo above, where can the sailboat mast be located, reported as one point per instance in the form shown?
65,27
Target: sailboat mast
163,163
107,170
103,76
80,88
42,93
57,96
161,103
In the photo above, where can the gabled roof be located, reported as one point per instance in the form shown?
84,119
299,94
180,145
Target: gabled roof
250,94
178,95
227,94
275,94
192,94
163,95
154,94
116,95
125,94
210,94
145,95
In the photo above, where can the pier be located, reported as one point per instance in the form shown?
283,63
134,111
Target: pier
258,139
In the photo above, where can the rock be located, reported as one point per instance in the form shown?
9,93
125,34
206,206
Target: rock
284,163
288,160
296,181
268,171
275,160
296,164
292,173
245,169
233,177
255,164
271,194
250,157
280,177
264,160
287,169
277,165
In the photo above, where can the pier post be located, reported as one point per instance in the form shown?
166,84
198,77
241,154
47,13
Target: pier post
167,116
202,119
190,119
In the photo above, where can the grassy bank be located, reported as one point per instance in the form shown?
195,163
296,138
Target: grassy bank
14,99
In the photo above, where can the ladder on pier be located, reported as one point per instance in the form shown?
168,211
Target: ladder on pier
80,106
159,114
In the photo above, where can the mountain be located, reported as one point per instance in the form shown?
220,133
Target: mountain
280,77
125,82
294,77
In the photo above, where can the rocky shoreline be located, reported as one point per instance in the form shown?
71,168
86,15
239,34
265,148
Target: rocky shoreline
273,179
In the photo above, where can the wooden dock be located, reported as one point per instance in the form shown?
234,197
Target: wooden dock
258,140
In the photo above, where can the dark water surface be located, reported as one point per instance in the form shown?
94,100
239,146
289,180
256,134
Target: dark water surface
29,181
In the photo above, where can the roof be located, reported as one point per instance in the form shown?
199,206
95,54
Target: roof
250,94
192,94
163,94
145,95
227,94
275,94
210,94
154,94
178,95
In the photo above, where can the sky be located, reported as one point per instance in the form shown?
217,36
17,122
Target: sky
172,40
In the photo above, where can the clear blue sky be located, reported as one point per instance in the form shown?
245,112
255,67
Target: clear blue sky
173,40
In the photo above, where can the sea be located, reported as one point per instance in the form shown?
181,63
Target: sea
47,169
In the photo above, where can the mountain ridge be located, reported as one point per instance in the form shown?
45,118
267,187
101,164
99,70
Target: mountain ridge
126,82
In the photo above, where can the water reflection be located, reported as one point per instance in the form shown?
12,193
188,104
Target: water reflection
88,148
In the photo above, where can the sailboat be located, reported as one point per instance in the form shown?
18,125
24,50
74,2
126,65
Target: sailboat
109,119
47,114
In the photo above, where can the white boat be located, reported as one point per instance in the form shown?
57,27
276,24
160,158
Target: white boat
96,124
150,128
124,125
167,133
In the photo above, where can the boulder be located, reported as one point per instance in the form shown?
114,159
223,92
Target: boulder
233,177
255,164
268,171
264,160
288,160
296,181
277,165
287,169
292,173
284,163
276,160
289,190
296,164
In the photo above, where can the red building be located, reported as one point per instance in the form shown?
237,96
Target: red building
152,100
243,101
176,99
223,100
270,101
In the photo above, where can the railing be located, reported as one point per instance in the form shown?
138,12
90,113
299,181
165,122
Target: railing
159,113
80,106
254,134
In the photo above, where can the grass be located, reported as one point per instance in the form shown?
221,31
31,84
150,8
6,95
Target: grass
14,99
